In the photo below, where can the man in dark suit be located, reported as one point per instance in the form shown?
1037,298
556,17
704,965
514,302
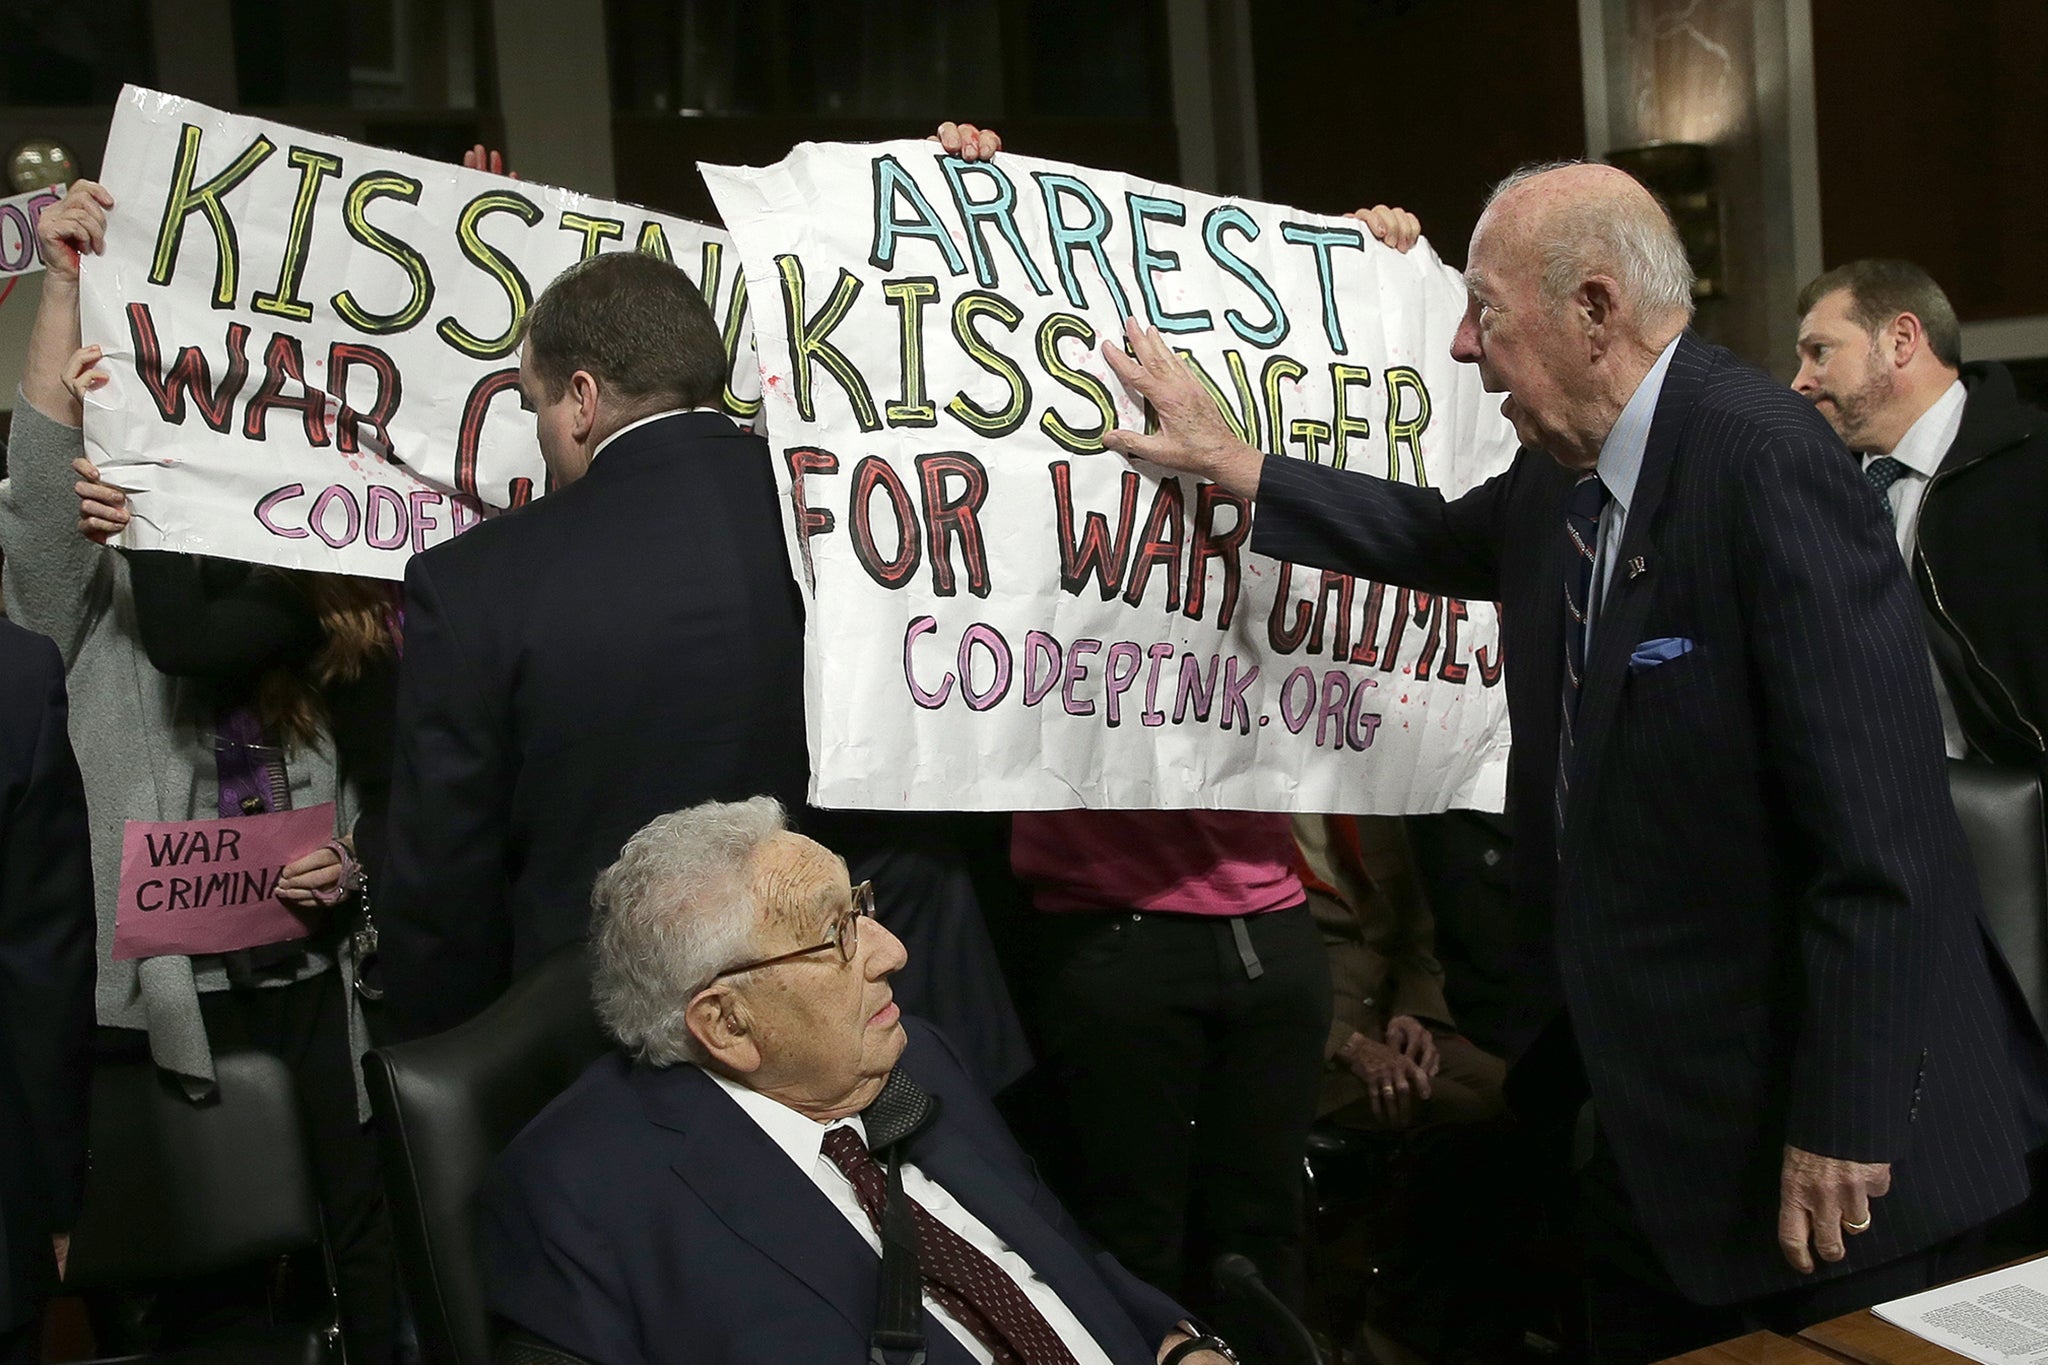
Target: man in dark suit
1963,466
722,1194
1760,945
46,983
627,645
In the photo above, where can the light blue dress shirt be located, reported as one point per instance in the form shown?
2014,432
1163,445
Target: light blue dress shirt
1619,466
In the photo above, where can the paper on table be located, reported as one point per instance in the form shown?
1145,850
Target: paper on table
1999,1319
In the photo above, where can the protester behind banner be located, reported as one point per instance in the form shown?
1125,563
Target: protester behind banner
161,749
311,343
1004,621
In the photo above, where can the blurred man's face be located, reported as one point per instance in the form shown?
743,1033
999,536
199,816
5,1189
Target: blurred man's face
554,421
1523,346
828,1030
1844,370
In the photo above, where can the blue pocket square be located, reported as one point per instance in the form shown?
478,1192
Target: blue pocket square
1650,653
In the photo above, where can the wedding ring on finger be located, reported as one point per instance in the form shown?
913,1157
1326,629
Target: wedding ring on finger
1863,1226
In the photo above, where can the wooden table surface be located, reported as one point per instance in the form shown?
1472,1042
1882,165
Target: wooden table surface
1867,1339
1758,1348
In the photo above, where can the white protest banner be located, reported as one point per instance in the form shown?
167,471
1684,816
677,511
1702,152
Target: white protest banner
313,344
19,253
1003,615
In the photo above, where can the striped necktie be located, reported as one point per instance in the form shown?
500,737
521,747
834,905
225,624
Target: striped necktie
1582,534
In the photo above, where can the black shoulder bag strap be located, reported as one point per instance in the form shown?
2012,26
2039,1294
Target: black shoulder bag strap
897,1113
899,1320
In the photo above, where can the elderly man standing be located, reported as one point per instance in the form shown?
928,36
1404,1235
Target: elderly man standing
725,1192
1759,943
1963,467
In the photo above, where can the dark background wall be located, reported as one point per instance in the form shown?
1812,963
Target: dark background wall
1422,103
1933,122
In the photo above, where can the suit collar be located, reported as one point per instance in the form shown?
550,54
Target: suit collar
802,1139
1993,417
1927,442
655,438
1629,595
745,1179
746,1182
1620,465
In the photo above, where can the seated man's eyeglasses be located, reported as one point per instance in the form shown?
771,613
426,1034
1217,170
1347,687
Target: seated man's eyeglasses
845,936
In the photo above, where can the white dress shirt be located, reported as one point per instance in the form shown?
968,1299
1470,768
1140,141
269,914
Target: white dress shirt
650,417
1921,450
803,1139
1619,466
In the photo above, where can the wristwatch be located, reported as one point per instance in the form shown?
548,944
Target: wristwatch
1193,1345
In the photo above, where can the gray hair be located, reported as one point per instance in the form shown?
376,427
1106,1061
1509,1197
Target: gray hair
1635,242
676,909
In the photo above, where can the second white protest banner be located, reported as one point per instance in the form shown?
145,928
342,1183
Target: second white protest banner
312,345
1003,615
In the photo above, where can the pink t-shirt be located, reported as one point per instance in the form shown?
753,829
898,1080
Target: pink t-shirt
1190,862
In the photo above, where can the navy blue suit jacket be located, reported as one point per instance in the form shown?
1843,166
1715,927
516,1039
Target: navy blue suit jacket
46,971
1763,921
644,1218
622,648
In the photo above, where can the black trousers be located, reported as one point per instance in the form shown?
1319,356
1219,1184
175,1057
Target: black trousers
1185,1070
306,1025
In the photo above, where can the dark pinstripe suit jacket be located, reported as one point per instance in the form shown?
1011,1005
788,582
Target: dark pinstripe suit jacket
1762,921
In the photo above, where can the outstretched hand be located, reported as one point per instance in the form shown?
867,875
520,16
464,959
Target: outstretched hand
1192,435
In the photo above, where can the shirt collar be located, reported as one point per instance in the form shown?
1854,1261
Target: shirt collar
650,417
1927,441
799,1135
1621,454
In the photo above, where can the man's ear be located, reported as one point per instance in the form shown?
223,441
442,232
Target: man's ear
1597,300
1908,339
583,387
718,1020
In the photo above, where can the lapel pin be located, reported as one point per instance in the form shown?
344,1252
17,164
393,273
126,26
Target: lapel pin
1637,567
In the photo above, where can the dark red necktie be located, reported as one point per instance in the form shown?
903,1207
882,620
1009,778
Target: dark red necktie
972,1287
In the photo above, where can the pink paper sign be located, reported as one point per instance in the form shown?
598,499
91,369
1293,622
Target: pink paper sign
210,886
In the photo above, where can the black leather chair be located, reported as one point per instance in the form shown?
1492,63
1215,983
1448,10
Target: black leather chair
181,1190
446,1106
2002,812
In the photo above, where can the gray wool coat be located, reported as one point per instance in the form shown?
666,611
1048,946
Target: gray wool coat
144,740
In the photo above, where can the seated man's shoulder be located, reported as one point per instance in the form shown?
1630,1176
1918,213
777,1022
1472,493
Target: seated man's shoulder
931,1060
585,1131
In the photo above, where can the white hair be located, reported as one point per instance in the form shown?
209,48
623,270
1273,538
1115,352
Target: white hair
676,909
1629,238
